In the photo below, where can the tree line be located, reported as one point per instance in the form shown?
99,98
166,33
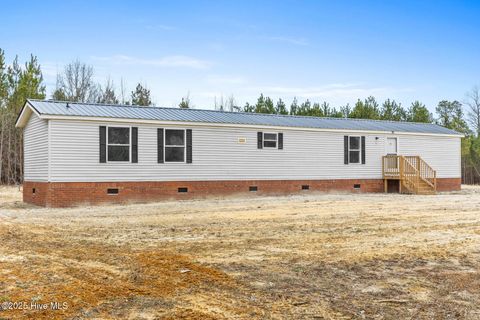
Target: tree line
76,83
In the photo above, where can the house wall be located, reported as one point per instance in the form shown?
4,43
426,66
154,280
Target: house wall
441,153
35,146
217,155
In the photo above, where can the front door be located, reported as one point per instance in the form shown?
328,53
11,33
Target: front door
392,146
391,164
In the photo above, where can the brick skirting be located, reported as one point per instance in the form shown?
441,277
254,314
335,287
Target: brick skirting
449,184
67,194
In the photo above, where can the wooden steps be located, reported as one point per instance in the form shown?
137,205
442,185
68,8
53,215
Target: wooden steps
415,176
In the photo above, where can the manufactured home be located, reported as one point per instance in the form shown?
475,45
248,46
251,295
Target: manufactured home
79,153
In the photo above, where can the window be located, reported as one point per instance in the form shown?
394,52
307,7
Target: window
269,140
118,144
174,145
354,150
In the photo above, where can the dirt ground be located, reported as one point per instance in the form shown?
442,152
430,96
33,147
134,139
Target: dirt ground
308,256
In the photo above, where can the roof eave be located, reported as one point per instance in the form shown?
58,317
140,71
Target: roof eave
25,113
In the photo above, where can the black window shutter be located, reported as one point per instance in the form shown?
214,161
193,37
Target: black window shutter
103,144
363,149
134,145
280,141
189,145
345,149
160,145
259,140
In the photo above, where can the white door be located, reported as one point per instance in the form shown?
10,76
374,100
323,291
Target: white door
392,146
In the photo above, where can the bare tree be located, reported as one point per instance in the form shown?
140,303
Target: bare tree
122,92
220,104
473,113
76,83
2,134
231,104
226,104
107,93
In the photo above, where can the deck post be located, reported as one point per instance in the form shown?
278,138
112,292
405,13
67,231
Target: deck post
400,176
383,167
385,184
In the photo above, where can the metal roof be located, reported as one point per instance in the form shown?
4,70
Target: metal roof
57,108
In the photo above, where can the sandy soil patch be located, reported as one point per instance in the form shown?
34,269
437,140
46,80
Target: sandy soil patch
309,256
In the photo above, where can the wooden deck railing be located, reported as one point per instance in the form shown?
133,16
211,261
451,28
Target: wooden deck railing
410,170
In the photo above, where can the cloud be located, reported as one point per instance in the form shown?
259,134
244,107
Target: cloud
225,79
211,94
290,40
167,61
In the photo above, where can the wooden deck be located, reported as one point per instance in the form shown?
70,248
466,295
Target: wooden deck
415,176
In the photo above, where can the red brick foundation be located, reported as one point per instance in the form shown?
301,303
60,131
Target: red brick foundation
36,193
67,194
449,184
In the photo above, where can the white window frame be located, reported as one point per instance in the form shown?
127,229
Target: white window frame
276,140
178,146
114,144
359,150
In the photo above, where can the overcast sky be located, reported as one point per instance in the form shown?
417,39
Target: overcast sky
334,51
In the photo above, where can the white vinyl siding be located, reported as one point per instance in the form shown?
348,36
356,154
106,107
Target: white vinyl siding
217,155
35,146
441,153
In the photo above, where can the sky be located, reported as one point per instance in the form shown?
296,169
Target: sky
334,51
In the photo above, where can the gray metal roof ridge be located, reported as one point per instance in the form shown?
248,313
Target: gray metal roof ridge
230,112
119,111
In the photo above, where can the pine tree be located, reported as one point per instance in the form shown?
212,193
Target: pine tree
345,111
316,110
269,107
367,109
141,96
14,71
451,116
281,107
3,80
264,105
16,85
326,110
391,110
294,107
334,113
419,113
248,108
305,108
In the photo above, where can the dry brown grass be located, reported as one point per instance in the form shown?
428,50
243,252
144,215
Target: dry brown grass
310,256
